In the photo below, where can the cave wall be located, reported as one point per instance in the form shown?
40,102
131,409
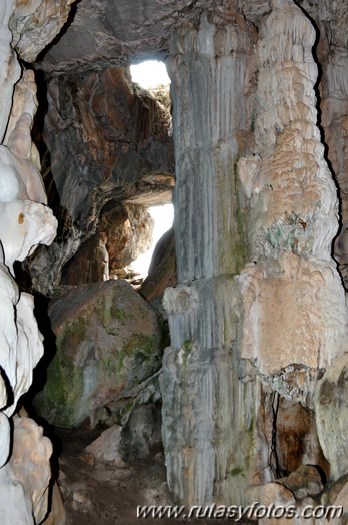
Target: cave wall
258,320
26,221
105,140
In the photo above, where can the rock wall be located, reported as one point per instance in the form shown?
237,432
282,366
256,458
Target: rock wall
25,221
105,139
260,311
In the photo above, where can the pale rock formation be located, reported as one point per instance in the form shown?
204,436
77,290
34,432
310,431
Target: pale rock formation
108,341
30,463
35,23
106,448
10,69
25,222
293,208
199,369
274,328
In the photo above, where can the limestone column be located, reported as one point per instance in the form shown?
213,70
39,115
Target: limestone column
259,311
210,66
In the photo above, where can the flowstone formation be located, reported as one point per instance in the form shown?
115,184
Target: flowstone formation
25,221
259,313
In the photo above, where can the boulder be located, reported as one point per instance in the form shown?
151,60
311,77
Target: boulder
108,340
106,448
141,437
304,482
162,270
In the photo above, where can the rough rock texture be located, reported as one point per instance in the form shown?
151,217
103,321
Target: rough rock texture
30,463
254,199
110,33
106,448
90,264
296,438
141,437
101,148
10,69
199,371
162,269
293,208
108,340
25,222
35,23
57,515
285,315
129,234
303,482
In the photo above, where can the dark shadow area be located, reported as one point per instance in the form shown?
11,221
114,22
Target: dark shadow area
321,129
9,391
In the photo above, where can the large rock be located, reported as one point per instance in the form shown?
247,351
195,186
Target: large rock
106,448
108,340
141,437
162,270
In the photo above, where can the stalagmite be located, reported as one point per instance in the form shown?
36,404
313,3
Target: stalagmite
250,320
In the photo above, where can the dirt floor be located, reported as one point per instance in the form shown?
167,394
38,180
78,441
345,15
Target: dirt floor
102,494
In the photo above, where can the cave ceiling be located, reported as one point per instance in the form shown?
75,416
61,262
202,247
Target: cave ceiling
102,33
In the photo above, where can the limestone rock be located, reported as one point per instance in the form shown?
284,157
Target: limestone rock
162,270
108,340
109,40
268,494
90,264
15,505
296,282
10,69
106,448
30,464
34,24
101,149
21,342
331,411
303,482
128,237
123,233
332,490
296,438
141,438
57,515
5,437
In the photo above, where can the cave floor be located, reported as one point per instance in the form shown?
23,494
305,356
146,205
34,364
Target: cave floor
104,494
